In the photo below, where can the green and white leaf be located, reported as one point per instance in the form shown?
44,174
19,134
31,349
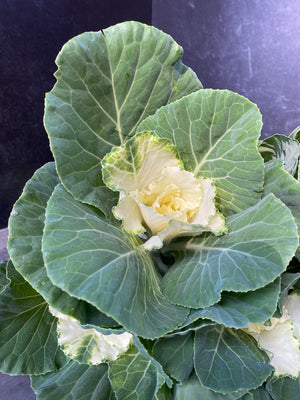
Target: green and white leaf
74,382
26,225
292,304
284,388
283,148
295,134
87,345
285,187
157,192
228,360
28,340
237,310
107,83
216,134
281,338
260,243
138,163
175,354
193,390
134,377
95,261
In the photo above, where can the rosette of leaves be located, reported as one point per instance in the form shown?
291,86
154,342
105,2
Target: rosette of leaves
125,120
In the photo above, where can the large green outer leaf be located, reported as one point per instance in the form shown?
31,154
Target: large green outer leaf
96,261
260,243
228,360
285,187
237,310
26,225
106,84
193,390
133,377
74,382
216,135
175,354
284,388
28,340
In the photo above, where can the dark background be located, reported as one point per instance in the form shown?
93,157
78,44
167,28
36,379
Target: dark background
250,47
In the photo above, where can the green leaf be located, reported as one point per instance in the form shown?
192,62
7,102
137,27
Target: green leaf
26,226
164,393
285,187
193,390
4,281
280,147
133,377
287,281
96,261
175,354
216,134
145,350
28,340
260,243
190,325
237,310
106,84
284,388
74,382
295,134
257,394
228,360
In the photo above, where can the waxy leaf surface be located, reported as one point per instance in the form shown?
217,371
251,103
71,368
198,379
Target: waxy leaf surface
260,243
257,394
175,354
96,261
193,390
106,84
74,382
134,378
237,310
228,360
26,226
285,187
216,134
28,340
284,388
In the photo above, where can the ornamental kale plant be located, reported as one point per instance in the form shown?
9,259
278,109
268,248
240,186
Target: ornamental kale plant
158,256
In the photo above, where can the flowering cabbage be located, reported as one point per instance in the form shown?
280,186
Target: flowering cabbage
146,159
157,193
